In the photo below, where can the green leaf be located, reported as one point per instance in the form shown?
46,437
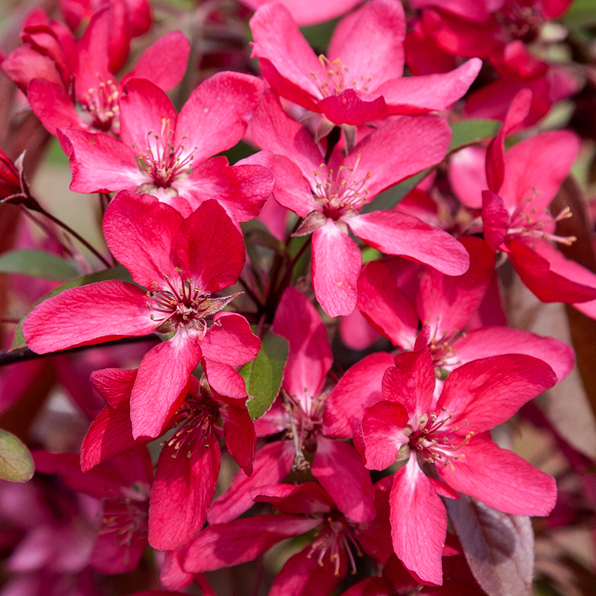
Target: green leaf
469,132
36,263
582,13
119,273
264,374
16,463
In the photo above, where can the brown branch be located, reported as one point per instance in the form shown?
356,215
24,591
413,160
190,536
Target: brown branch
25,354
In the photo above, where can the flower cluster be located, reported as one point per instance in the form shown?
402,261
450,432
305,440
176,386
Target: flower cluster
310,343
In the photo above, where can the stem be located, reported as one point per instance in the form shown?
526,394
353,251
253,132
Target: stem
10,321
286,278
47,230
250,293
74,234
25,354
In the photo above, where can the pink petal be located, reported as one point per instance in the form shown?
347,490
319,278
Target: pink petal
396,233
307,498
140,231
182,491
307,13
99,162
383,426
467,176
487,392
209,248
228,97
278,41
495,155
230,340
241,190
496,220
493,341
398,150
549,276
356,332
161,383
239,433
411,383
336,262
114,385
541,162
89,314
353,107
338,467
52,105
360,386
172,576
110,556
370,43
147,117
447,303
309,573
110,434
419,536
225,545
310,357
416,95
93,65
272,464
385,306
224,379
163,62
501,479
273,130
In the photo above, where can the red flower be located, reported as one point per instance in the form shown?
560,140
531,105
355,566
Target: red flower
167,154
330,197
189,462
181,263
361,79
451,433
335,464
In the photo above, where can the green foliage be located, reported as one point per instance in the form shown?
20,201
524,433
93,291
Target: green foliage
264,374
36,263
16,463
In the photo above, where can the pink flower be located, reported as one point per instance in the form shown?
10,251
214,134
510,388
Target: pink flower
335,464
167,154
451,433
90,100
330,196
189,462
123,488
127,18
181,262
515,214
320,566
361,79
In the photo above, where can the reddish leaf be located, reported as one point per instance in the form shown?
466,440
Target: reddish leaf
499,547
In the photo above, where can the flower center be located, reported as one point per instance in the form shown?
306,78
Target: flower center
162,160
341,192
126,515
193,423
101,103
339,78
334,535
521,21
526,222
436,441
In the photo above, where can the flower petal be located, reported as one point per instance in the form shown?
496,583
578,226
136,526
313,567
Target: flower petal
501,479
360,386
310,357
85,315
336,263
396,233
413,492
